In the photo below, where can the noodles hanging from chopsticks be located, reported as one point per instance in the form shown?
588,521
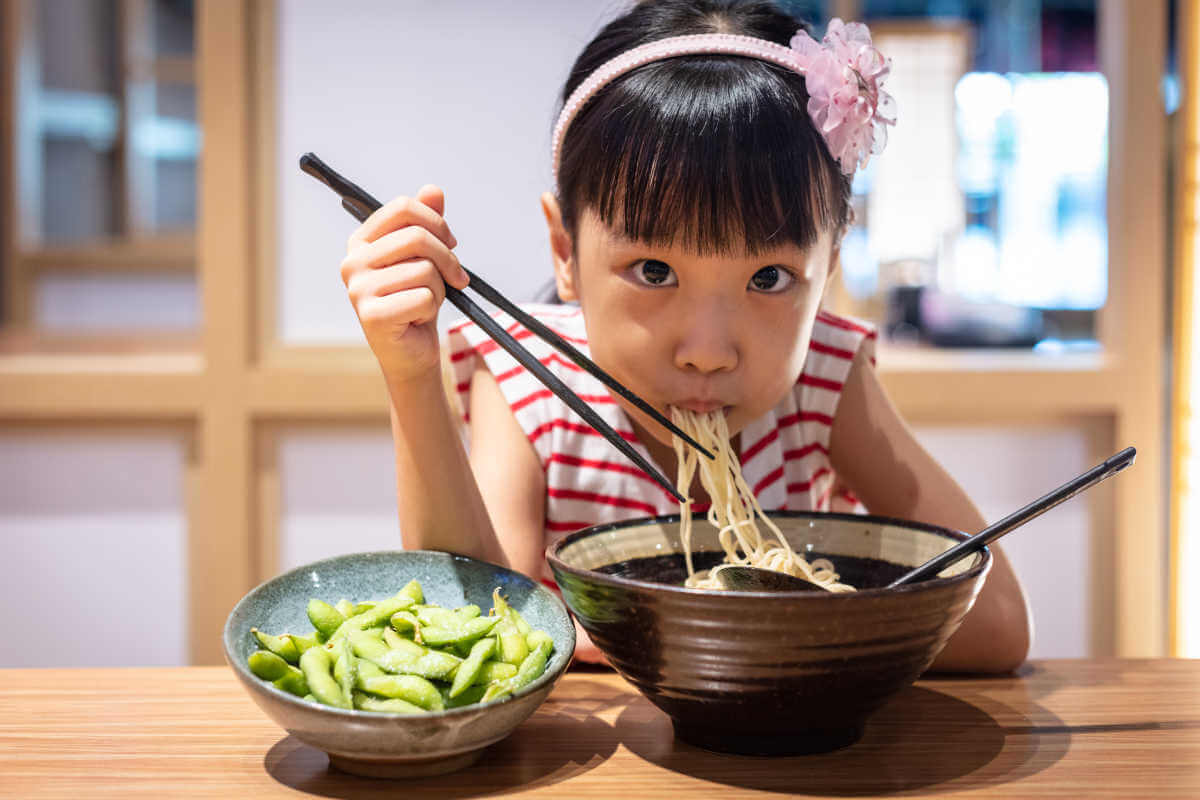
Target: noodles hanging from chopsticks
734,509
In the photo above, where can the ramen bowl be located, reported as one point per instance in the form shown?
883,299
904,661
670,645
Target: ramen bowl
767,673
383,744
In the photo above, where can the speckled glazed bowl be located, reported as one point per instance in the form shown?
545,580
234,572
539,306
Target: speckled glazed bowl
394,745
767,673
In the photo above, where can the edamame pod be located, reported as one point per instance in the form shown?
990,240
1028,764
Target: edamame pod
293,681
367,669
282,646
345,608
324,617
317,666
412,688
472,694
435,617
406,623
464,676
495,671
378,615
267,665
391,705
365,645
432,664
359,608
304,642
412,590
464,631
345,671
512,646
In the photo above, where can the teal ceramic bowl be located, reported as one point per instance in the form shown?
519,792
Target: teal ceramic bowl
395,745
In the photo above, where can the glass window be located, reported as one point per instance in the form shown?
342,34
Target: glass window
983,224
106,146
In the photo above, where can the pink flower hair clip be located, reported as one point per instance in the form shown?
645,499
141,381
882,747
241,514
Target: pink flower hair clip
844,74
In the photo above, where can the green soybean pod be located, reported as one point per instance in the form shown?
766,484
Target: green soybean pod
282,646
390,705
317,666
324,617
304,642
405,623
495,671
412,688
436,617
293,681
535,663
512,646
495,692
395,640
412,590
365,645
472,694
267,665
345,608
359,608
345,671
459,631
377,615
367,669
468,611
464,676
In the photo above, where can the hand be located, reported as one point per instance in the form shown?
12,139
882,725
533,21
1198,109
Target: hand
585,649
396,269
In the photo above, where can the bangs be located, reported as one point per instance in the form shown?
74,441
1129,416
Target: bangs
716,154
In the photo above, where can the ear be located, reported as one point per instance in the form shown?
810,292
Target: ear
562,250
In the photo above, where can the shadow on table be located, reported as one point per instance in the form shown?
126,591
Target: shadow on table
581,741
924,739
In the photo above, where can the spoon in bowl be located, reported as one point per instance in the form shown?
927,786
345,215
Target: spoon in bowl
755,579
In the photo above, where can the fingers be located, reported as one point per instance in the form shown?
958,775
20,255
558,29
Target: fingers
420,276
410,243
405,211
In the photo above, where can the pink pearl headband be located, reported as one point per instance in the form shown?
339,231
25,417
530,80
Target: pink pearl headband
843,73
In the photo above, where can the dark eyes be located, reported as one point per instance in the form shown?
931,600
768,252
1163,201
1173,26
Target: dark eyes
652,272
771,279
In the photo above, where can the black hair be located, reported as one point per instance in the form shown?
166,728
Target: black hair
712,152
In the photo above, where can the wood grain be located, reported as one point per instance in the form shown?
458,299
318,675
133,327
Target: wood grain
1112,728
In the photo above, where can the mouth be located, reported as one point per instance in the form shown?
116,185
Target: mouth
703,406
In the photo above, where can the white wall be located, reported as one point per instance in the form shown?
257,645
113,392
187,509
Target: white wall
93,536
457,93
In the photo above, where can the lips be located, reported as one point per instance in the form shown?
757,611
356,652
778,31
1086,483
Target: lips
701,406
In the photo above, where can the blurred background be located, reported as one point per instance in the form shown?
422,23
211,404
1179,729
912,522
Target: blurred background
187,406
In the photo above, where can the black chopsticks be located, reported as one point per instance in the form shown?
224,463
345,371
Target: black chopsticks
361,205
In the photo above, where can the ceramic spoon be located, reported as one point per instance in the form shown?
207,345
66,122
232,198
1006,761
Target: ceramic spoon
754,579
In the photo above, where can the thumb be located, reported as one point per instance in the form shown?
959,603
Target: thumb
433,197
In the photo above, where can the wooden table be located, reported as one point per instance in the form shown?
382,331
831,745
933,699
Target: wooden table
1059,729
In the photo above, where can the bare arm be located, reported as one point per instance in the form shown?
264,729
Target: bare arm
439,501
877,456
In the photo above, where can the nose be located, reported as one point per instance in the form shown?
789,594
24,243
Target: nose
707,342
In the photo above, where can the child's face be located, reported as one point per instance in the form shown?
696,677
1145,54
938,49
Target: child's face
705,332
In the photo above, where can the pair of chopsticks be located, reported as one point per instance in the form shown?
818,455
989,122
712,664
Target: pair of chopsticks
361,205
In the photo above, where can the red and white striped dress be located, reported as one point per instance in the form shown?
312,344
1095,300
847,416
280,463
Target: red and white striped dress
785,453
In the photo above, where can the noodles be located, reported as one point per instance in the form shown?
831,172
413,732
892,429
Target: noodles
734,508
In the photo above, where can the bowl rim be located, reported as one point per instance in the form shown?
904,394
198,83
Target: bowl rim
548,675
980,569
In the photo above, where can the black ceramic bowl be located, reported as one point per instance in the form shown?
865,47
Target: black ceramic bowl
767,673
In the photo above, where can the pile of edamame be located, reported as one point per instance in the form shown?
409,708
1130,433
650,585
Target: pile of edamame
404,656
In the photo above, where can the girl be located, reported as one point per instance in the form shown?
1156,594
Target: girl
702,189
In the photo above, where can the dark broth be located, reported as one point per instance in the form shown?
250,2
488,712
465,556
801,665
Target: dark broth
861,573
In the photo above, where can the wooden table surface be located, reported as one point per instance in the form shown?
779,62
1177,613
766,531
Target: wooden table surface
1093,728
